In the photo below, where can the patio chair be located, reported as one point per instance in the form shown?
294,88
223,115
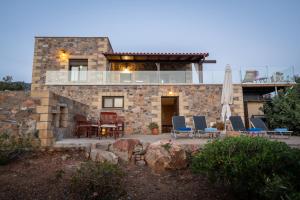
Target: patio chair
200,127
109,122
259,123
82,124
179,126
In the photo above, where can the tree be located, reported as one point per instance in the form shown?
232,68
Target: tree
284,109
7,79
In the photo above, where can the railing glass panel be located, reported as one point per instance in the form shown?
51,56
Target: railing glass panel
256,76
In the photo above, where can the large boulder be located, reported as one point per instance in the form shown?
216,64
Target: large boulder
191,148
103,156
124,148
163,155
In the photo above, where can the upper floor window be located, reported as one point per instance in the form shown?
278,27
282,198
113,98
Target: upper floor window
78,69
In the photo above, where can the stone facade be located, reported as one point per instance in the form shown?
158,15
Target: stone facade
142,104
47,55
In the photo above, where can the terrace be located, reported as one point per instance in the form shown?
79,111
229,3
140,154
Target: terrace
246,77
164,69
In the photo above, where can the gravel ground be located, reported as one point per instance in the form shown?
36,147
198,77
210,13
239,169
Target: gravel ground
38,176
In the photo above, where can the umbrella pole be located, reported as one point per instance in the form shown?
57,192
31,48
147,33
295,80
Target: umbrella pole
225,124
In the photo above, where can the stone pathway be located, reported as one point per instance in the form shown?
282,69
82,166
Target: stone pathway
293,141
84,142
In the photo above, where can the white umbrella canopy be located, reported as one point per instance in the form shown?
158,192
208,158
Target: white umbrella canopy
227,94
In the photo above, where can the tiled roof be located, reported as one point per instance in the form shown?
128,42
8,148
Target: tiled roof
155,57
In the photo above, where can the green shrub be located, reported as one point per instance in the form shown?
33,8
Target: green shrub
284,109
95,180
254,168
12,146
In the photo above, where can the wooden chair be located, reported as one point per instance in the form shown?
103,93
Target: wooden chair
109,122
121,127
82,124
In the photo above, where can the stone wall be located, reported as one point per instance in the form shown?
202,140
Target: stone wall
142,104
17,112
48,55
56,116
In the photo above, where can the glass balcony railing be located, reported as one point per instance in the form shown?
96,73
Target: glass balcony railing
166,77
267,75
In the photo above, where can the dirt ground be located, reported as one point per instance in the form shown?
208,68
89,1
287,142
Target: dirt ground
38,176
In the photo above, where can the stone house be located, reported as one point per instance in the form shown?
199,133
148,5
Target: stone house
84,75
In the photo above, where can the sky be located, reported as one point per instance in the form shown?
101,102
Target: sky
241,33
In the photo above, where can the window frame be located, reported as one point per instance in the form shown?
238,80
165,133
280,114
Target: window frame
113,102
79,69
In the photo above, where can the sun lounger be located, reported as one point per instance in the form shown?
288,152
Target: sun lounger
238,125
179,126
259,123
200,127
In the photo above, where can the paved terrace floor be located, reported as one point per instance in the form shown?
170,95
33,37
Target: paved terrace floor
293,141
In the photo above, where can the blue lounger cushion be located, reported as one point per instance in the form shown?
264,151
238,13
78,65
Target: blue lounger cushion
210,129
254,129
281,129
184,129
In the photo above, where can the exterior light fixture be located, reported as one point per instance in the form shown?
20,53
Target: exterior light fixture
127,57
170,93
126,69
63,55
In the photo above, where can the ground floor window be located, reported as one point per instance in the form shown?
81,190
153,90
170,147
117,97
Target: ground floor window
112,102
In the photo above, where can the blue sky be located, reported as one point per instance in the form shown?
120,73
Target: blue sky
241,33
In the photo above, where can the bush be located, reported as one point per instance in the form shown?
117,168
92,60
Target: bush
12,146
97,181
284,110
254,168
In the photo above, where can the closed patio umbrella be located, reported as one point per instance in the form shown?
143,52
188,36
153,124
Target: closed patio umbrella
227,95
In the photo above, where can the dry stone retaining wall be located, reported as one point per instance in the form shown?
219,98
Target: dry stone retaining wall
17,112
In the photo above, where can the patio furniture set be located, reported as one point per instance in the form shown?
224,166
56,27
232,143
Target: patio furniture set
109,124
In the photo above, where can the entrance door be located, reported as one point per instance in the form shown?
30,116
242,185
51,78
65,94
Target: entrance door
169,108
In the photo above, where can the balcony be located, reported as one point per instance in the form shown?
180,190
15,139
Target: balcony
249,76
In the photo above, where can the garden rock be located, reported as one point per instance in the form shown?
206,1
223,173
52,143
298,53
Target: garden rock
191,148
164,155
124,148
103,156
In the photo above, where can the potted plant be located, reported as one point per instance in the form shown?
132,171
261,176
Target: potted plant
219,125
153,126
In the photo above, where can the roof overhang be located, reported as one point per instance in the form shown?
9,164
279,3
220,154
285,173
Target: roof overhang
264,88
156,57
